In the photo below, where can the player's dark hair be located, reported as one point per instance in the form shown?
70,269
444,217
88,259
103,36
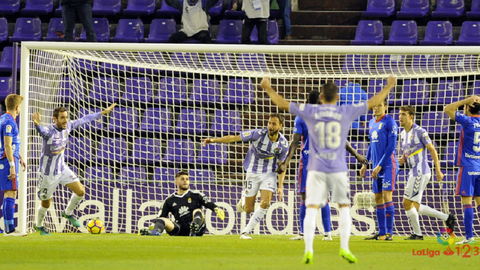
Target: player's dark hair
180,173
58,110
409,109
330,91
475,108
280,117
313,97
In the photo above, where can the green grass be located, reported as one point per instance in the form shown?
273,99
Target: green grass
124,251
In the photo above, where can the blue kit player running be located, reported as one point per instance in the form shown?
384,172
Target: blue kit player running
468,159
10,160
383,133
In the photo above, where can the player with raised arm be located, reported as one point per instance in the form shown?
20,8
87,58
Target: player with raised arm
300,134
468,159
328,126
414,141
53,169
186,207
10,160
268,147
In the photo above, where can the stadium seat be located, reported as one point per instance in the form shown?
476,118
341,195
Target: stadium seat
436,123
109,68
360,147
449,153
476,88
160,30
185,59
394,63
139,7
368,33
27,29
427,62
98,173
67,89
414,92
85,65
361,63
156,120
138,89
341,83
272,33
191,121
216,10
146,151
213,154
252,62
172,91
56,30
94,125
168,11
201,175
106,7
205,92
123,120
111,150
78,150
3,30
438,33
104,89
180,151
414,9
474,12
380,8
240,91
449,9
102,30
226,122
448,92
129,30
229,13
150,58
133,174
229,32
6,87
375,86
164,174
9,7
403,33
218,61
470,34
462,62
6,64
37,7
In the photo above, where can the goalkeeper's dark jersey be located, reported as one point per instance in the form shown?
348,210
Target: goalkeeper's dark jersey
182,206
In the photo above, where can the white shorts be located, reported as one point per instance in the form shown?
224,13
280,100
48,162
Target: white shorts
260,181
416,186
320,183
48,183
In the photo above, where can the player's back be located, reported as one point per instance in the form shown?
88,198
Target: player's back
468,154
8,127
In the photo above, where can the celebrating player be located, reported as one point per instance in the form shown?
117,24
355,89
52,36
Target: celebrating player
329,126
186,207
414,141
468,159
53,169
300,133
10,161
268,147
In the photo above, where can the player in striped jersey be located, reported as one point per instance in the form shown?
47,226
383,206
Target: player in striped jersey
268,147
414,141
468,159
53,169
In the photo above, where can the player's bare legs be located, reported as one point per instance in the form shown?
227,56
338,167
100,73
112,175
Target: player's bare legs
265,199
78,193
249,206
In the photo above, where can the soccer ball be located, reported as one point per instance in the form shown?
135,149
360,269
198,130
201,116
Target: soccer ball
95,226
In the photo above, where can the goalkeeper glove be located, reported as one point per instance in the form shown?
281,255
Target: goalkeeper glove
220,213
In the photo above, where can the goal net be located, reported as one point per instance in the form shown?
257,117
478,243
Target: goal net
171,96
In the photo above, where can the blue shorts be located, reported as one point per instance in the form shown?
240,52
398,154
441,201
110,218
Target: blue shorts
302,175
468,181
5,183
385,181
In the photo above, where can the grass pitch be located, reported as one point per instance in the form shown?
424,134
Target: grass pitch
125,251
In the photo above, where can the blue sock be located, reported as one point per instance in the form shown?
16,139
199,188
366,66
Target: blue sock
390,214
468,219
302,211
8,211
381,219
326,218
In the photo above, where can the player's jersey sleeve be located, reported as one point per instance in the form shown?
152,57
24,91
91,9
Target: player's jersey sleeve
298,127
43,132
205,201
424,138
165,209
284,146
461,118
250,135
355,110
302,110
9,129
86,119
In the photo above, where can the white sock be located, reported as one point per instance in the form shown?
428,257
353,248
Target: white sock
256,218
412,215
309,228
73,203
345,223
428,211
42,211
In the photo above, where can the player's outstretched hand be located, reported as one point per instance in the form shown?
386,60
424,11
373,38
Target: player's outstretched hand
391,81
36,118
265,83
473,99
109,109
220,213
206,141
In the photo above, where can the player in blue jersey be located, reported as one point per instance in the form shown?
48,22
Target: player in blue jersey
468,159
300,135
328,126
383,133
10,160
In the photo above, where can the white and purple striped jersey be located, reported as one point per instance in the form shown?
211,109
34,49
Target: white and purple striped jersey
52,161
263,155
414,145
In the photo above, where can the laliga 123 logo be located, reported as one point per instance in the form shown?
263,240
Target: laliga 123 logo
445,237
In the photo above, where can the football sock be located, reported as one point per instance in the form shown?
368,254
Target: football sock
8,212
256,218
302,215
412,215
326,218
197,218
42,211
72,204
345,224
428,211
309,227
468,220
381,219
159,225
389,216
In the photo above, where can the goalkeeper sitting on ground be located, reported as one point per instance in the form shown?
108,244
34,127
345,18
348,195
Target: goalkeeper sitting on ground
186,207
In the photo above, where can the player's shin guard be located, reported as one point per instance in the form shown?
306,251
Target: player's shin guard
389,216
73,203
345,227
256,218
159,225
468,220
326,218
309,226
302,215
381,219
8,212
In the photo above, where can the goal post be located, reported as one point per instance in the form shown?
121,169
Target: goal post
170,96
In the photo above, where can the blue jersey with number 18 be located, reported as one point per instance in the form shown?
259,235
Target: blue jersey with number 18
468,152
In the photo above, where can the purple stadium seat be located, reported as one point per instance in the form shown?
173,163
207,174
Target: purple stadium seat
226,122
239,91
229,31
172,91
123,120
427,62
133,174
436,123
71,89
449,8
8,7
105,89
368,33
414,92
414,9
476,88
129,30
449,153
205,92
102,30
218,61
94,125
138,89
98,173
216,10
146,151
462,62
229,13
357,63
191,121
272,33
110,68
403,33
3,29
470,34
180,150
164,174
85,65
139,7
167,11
185,59
106,7
56,30
380,8
438,33
391,63
149,58
78,150
213,154
375,86
6,64
448,92
37,7
112,149
200,175
27,29
160,30
252,62
156,120
474,12
6,87
360,147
